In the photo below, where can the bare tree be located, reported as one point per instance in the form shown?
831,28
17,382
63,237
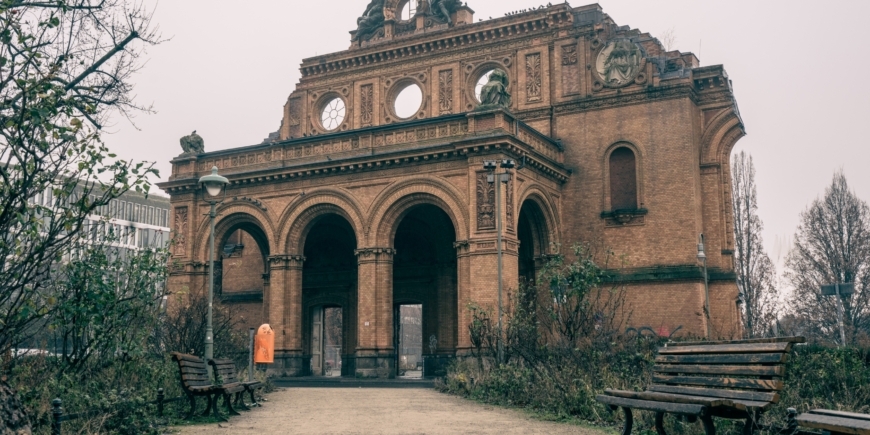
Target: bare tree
832,245
668,39
65,70
755,272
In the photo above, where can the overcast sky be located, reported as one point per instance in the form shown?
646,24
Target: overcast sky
797,68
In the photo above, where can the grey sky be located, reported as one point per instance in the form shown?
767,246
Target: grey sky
797,68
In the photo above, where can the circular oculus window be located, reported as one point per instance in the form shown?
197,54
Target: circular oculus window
481,82
332,114
408,101
409,9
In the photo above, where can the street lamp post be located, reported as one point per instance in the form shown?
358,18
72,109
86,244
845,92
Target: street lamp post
214,184
703,257
503,178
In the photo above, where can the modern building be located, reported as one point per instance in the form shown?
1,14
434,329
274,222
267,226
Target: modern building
373,194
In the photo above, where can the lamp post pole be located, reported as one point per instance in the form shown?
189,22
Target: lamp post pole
214,184
209,330
498,179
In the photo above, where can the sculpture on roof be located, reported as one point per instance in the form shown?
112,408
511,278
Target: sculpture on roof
442,9
495,92
192,144
371,20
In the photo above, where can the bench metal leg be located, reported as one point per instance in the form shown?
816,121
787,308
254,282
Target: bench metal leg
192,401
751,424
207,406
709,427
253,400
629,421
660,423
240,401
214,408
229,402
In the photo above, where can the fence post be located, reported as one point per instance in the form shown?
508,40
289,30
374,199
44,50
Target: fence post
160,397
56,412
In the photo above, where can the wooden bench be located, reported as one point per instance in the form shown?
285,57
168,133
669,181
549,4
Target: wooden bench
737,379
225,374
835,422
195,382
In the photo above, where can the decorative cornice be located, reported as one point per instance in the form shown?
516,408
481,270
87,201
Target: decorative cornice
286,261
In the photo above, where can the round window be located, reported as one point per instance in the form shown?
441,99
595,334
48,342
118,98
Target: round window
481,82
332,114
408,101
409,9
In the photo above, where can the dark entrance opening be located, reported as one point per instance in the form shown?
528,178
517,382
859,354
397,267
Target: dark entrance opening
329,296
424,275
409,340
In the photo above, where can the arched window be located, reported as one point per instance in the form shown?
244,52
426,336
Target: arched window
623,179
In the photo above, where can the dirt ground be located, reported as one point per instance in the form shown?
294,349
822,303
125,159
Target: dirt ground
380,411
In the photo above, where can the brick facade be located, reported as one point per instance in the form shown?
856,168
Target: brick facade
407,204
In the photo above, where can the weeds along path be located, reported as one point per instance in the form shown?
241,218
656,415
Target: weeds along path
373,411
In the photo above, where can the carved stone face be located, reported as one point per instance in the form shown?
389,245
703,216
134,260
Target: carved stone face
619,63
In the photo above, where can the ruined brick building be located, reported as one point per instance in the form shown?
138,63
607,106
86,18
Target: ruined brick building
361,204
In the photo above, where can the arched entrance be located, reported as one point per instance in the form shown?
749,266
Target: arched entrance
424,275
329,296
534,240
242,268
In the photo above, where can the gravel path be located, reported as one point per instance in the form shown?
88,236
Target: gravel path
380,411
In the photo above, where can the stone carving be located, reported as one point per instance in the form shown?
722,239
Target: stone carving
533,77
192,144
370,21
509,203
619,62
570,70
442,9
181,231
445,91
495,92
367,104
485,203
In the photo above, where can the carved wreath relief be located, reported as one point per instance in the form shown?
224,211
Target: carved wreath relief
367,106
533,77
619,63
180,231
485,203
445,92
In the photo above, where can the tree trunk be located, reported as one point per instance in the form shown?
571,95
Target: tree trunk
13,419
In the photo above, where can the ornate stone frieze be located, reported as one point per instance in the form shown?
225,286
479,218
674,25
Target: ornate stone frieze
445,92
367,104
485,203
534,78
286,261
180,228
377,254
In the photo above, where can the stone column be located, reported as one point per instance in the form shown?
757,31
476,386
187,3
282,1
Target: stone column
375,354
285,314
463,282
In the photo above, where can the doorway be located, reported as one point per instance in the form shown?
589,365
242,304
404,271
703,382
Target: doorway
409,340
326,338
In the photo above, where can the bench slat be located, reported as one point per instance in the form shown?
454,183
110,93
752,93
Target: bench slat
841,414
755,384
673,398
835,424
751,340
726,348
722,369
746,358
193,370
185,357
673,408
191,364
713,392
